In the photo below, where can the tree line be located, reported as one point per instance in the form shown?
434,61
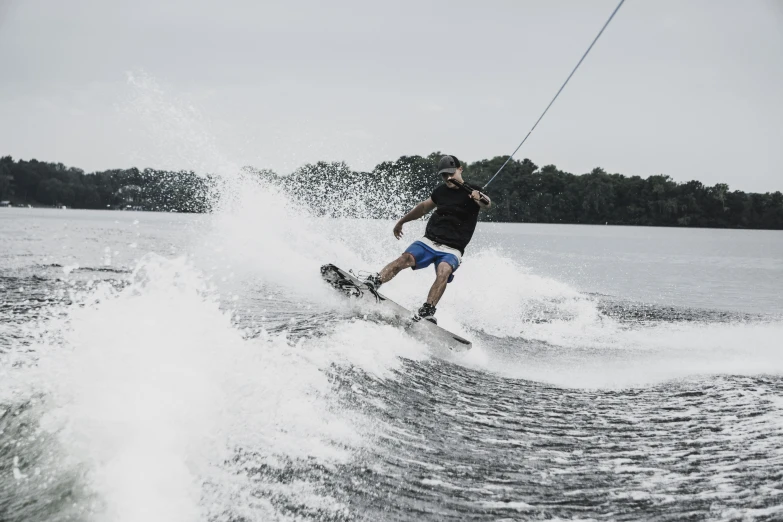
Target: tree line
53,184
523,193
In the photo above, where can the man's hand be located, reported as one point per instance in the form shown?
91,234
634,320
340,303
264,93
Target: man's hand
480,198
398,230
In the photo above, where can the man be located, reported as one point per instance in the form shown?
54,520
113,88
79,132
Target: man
449,231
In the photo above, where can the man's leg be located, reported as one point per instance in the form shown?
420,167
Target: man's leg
439,286
406,260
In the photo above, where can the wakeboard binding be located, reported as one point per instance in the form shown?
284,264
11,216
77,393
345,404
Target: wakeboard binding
426,312
350,287
332,275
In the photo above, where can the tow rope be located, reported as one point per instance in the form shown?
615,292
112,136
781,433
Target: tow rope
556,95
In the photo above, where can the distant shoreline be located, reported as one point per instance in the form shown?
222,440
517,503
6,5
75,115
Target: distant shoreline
523,193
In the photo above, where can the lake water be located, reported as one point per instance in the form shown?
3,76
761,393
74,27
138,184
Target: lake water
194,367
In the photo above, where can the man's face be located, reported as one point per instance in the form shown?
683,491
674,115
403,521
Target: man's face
457,175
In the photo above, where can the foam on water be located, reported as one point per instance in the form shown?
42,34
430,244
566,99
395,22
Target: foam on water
523,325
544,330
649,355
154,389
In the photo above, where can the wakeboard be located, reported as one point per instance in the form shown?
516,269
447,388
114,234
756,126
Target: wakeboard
369,299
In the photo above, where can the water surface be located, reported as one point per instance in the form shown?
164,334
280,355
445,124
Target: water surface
190,367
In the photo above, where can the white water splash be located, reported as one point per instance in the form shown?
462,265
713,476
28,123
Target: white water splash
154,389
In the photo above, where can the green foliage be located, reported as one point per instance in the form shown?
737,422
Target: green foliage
53,184
522,193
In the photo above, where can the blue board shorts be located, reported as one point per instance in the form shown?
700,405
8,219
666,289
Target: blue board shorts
426,252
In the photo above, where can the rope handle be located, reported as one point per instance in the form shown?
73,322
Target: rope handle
483,198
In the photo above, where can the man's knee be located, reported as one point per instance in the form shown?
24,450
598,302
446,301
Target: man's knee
444,270
406,260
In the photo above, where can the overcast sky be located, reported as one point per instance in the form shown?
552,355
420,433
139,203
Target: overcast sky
691,88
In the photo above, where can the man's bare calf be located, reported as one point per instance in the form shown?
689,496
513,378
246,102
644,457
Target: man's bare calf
439,286
406,260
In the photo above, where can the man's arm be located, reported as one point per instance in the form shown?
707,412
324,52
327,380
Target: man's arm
416,212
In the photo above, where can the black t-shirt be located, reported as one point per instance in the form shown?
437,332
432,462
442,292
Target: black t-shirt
454,221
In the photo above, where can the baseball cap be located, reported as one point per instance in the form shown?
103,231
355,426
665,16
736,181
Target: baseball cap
448,165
